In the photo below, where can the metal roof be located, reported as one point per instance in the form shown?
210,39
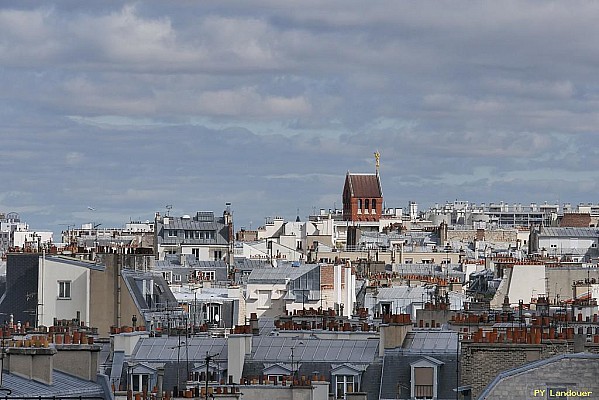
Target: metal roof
278,349
170,263
250,263
431,341
569,232
62,385
165,349
403,292
281,274
192,225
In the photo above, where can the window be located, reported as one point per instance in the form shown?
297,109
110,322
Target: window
218,254
423,382
276,379
386,308
367,204
171,232
140,382
207,235
345,384
359,204
177,277
212,313
196,253
205,275
168,276
192,235
64,289
374,206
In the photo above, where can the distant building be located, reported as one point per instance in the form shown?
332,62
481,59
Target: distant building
362,197
16,234
574,244
205,236
133,238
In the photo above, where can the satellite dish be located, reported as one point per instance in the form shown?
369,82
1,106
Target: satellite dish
217,318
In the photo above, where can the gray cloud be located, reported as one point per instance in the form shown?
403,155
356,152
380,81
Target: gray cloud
132,106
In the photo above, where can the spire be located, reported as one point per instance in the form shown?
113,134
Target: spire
377,158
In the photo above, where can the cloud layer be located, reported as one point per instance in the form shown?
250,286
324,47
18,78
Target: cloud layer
132,106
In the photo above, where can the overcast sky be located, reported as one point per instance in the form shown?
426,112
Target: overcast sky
128,107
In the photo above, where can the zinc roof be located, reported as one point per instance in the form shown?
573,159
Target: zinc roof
62,385
431,341
278,349
190,224
569,232
165,349
281,274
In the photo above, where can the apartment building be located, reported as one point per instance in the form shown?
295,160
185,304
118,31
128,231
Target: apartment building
203,235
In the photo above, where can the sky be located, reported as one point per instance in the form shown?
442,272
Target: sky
127,107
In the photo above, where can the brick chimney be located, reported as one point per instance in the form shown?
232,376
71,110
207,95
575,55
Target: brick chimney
35,363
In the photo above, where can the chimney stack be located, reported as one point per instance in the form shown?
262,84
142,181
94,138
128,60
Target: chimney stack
35,363
80,360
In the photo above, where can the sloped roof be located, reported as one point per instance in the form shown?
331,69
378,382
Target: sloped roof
569,232
134,281
364,185
278,348
62,385
281,274
431,342
165,349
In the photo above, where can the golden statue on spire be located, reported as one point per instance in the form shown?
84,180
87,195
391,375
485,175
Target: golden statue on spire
377,158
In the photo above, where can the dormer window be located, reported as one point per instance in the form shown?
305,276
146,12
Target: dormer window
141,377
424,378
345,384
276,373
346,379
